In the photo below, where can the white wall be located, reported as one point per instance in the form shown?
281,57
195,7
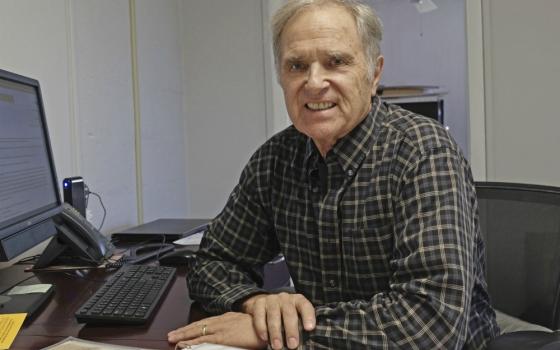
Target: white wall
102,91
160,67
521,54
475,60
224,86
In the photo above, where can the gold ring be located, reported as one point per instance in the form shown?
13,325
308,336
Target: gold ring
204,327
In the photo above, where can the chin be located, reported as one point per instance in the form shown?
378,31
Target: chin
318,132
318,125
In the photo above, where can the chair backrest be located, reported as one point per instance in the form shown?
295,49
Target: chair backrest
521,227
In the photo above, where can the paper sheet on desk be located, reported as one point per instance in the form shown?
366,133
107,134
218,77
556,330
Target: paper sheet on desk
32,288
208,346
193,239
72,343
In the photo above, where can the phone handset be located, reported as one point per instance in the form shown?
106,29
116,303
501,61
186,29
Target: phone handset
76,242
95,240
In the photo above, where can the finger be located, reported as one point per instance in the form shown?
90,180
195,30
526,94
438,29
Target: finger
290,320
274,324
206,339
259,319
249,304
185,333
307,313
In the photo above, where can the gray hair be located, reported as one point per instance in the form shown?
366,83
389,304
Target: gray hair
368,24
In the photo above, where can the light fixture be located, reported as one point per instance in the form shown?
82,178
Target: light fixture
424,6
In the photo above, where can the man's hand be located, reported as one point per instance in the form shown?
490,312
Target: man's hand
232,328
272,311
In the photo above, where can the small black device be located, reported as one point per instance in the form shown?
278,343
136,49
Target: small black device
183,256
74,192
171,229
130,296
30,303
148,251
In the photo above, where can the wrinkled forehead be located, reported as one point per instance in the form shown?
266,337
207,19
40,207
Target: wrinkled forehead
325,25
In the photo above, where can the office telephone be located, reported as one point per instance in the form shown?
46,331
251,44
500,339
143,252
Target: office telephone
77,241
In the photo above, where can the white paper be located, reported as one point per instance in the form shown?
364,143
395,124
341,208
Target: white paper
208,346
72,343
193,239
32,288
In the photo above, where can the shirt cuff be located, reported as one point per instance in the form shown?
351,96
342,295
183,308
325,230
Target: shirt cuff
229,300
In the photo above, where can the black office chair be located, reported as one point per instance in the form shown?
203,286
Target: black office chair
521,227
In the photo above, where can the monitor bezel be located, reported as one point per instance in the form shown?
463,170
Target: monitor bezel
23,222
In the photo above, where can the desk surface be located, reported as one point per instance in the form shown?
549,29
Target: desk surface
56,320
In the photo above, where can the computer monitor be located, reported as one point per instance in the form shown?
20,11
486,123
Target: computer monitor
29,195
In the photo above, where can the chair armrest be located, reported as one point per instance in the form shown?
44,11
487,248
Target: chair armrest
526,340
509,324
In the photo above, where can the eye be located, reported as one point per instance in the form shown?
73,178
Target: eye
297,66
336,61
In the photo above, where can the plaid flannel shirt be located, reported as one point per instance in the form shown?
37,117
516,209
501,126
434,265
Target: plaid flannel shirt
381,235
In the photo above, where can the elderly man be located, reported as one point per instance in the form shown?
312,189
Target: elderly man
372,206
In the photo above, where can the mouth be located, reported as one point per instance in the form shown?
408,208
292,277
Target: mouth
319,106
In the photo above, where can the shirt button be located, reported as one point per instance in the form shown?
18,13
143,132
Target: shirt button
350,173
332,283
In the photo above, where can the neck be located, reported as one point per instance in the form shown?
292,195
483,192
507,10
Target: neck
323,148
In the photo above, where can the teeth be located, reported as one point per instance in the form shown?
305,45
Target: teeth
320,105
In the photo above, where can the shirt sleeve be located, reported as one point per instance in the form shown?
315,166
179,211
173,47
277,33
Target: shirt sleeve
236,244
432,267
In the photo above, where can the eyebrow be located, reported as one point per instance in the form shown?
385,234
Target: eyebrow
294,58
326,53
342,55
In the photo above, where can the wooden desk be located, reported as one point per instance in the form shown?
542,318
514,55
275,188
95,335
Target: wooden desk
56,320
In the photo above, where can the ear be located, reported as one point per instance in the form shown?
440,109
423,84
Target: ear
377,74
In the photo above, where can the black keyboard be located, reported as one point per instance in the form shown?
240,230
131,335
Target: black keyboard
130,296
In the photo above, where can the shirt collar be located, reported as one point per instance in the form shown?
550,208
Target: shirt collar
350,150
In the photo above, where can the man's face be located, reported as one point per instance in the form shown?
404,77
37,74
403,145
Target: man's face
323,73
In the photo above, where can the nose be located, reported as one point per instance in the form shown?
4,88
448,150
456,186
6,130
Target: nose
316,79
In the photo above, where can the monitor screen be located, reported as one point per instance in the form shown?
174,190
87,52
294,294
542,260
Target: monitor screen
29,194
